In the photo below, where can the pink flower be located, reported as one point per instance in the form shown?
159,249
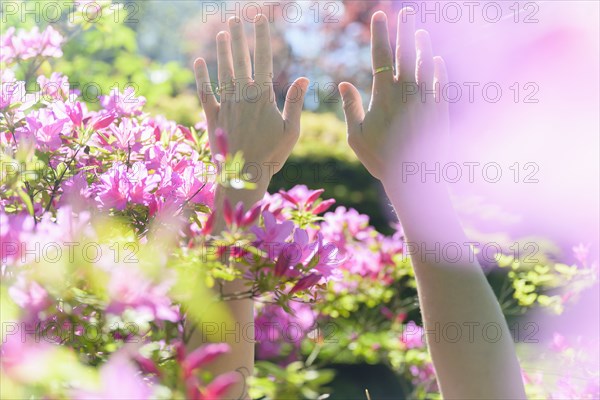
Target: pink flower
8,53
325,259
274,328
13,93
74,190
27,45
30,296
581,252
123,104
119,379
302,198
559,342
101,120
222,145
273,232
12,227
45,128
130,288
113,188
26,359
54,88
306,282
219,387
202,356
412,336
193,189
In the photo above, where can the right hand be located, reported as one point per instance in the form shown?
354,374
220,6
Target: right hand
400,125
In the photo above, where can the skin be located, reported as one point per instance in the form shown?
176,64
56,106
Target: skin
266,137
395,130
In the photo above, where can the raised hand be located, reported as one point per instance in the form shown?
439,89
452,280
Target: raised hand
405,117
247,110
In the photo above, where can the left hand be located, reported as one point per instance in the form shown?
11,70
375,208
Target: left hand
247,110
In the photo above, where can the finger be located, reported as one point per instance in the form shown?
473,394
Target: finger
405,46
353,108
263,57
424,58
242,68
381,52
225,65
205,89
440,80
294,100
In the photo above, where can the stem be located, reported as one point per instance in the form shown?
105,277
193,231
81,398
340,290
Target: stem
59,180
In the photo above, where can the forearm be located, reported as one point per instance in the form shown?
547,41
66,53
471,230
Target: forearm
239,333
467,334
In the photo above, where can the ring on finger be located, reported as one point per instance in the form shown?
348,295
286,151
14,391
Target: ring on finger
383,69
269,74
226,87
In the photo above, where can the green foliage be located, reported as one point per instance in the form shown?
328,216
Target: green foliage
294,381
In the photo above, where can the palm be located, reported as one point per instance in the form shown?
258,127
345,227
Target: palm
247,111
400,122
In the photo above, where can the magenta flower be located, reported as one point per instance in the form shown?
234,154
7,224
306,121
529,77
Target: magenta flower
218,388
193,189
124,104
46,128
101,120
222,145
75,190
30,296
412,336
12,228
273,232
202,356
54,88
129,134
302,198
306,282
325,259
113,188
26,45
142,184
275,328
13,95
581,253
119,379
130,288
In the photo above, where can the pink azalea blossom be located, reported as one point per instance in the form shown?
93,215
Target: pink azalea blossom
30,296
142,183
193,189
124,104
113,188
13,93
412,336
54,88
119,379
130,288
275,328
273,231
25,45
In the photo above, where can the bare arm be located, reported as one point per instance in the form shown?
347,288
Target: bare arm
403,127
266,137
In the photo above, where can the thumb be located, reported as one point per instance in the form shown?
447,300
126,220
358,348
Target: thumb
294,100
352,102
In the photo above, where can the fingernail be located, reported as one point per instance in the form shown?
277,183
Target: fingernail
379,16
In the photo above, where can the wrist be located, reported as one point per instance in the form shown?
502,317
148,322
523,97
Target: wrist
415,195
